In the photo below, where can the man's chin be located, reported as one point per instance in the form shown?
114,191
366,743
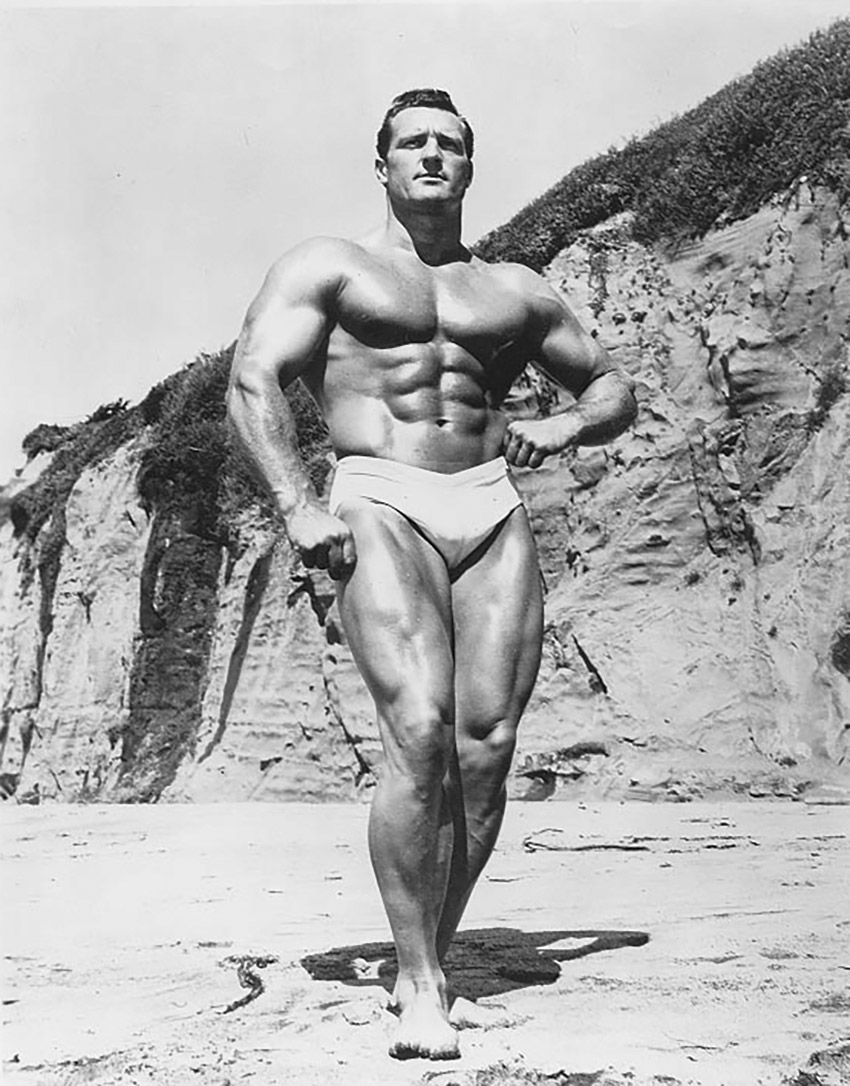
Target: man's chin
434,194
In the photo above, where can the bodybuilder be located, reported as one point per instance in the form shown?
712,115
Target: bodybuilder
409,344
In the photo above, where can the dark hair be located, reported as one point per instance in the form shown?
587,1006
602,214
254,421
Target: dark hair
423,97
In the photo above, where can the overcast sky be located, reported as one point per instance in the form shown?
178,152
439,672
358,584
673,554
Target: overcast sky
156,160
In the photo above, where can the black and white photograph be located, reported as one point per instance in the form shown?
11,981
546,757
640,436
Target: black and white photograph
425,543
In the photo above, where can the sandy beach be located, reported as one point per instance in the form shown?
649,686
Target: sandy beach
613,943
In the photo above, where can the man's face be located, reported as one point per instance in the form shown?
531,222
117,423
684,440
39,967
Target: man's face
426,159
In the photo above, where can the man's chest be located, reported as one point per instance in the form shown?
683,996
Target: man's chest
384,306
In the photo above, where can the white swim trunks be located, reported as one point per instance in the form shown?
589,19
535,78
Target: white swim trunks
455,512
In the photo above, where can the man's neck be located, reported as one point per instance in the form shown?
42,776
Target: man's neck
433,235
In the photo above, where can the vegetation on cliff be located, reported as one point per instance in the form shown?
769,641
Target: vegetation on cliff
187,462
719,162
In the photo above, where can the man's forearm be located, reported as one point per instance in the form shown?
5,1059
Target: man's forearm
264,426
601,413
605,409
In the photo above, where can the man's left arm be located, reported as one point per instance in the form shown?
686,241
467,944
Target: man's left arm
604,396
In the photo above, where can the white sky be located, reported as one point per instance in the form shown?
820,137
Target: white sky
156,160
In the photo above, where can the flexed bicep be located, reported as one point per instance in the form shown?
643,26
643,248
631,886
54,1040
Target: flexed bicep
565,351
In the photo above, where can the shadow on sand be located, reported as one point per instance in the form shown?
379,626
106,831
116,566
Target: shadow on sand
481,962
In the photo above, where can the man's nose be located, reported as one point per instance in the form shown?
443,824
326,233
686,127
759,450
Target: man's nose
432,154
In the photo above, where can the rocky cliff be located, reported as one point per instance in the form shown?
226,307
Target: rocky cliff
697,570
699,608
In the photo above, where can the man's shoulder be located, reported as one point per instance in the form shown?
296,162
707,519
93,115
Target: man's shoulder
518,276
318,255
533,288
313,267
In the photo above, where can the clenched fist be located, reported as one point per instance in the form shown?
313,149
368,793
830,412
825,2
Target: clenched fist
527,442
322,540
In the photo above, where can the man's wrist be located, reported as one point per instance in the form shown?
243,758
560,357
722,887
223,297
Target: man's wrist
289,504
570,425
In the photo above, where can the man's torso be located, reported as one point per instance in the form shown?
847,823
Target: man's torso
419,358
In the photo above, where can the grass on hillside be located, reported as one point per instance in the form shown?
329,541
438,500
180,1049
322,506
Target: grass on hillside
719,162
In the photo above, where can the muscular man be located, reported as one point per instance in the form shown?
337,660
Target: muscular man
409,344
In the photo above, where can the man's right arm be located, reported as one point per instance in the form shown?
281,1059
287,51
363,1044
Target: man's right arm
286,329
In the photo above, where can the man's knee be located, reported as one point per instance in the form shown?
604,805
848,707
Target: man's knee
487,745
418,740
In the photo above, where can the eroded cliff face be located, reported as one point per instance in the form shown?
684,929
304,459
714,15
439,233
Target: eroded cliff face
67,654
700,568
697,573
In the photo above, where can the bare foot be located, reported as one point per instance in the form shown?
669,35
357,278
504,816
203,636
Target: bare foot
424,1030
465,1014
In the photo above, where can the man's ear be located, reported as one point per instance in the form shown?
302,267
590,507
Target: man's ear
381,171
469,172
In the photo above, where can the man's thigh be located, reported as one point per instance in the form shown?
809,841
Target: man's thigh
497,606
396,612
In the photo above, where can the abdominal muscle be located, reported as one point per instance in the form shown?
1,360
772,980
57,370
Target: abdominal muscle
429,411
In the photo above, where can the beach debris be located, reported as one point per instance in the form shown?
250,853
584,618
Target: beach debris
246,964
